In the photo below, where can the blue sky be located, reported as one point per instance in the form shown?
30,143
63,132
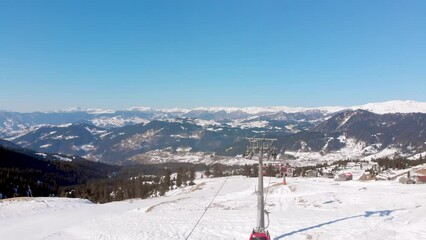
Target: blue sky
119,54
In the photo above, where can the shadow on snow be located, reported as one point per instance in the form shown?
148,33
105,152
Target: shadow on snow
367,214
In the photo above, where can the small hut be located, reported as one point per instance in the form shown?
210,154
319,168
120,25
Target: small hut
406,180
367,176
344,177
311,173
420,179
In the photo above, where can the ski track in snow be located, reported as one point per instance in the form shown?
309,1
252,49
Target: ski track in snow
306,208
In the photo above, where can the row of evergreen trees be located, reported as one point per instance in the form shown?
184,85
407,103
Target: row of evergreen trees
21,172
27,174
117,189
398,163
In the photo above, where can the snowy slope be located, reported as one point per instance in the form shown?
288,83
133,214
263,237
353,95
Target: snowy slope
304,209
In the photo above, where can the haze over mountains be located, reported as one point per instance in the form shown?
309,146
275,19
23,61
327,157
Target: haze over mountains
151,135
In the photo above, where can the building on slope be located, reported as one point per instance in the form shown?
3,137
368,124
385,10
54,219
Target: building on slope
344,177
367,176
420,179
406,180
311,173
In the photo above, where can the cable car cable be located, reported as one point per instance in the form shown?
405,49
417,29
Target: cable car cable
206,209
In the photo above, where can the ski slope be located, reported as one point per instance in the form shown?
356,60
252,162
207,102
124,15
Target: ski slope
306,208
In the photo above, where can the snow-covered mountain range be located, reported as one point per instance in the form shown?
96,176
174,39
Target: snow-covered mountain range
394,128
14,122
395,106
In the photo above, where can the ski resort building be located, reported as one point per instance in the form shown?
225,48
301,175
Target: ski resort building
311,173
420,179
406,180
367,176
344,177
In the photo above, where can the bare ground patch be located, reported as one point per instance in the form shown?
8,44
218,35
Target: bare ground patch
197,187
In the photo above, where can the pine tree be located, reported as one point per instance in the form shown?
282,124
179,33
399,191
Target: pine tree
247,170
217,170
185,176
166,180
179,178
191,174
207,172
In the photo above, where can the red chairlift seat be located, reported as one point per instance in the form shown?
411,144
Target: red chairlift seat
260,236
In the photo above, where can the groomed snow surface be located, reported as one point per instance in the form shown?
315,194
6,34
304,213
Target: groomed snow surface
306,208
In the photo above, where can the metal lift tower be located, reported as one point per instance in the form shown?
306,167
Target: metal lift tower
260,147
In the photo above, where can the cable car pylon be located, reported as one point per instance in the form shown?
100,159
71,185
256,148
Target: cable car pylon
260,147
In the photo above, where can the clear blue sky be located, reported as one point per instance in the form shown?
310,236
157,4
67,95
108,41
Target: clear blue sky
119,54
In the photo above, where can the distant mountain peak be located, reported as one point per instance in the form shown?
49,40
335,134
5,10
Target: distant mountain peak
140,109
87,110
394,106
